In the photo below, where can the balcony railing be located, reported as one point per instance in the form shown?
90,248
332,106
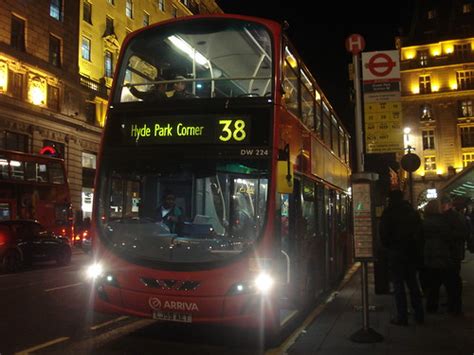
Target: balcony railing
448,59
96,86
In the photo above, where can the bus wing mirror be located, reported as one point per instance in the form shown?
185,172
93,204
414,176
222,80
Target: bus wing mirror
284,171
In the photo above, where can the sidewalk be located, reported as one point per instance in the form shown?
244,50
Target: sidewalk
442,334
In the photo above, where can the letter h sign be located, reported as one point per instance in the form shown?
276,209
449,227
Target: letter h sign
355,44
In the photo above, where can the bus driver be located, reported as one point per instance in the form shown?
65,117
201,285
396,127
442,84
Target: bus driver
169,214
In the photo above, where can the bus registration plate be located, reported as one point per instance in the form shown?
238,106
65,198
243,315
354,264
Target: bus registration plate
173,317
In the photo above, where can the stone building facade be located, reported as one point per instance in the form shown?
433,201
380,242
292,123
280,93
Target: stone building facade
57,59
437,75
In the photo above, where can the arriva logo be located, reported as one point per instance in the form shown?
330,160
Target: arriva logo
156,304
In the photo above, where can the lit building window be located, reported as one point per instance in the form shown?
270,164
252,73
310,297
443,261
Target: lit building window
89,160
430,163
467,8
86,48
467,136
161,5
146,19
431,14
3,77
465,108
54,51
111,2
428,139
108,64
36,90
465,80
174,12
55,9
423,56
87,11
467,159
425,84
129,8
426,112
462,50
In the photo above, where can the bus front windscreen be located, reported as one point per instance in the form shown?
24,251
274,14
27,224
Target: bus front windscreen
182,212
210,58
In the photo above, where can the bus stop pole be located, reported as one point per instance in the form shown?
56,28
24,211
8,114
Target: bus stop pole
366,334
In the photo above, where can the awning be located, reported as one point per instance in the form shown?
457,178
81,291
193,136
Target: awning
461,184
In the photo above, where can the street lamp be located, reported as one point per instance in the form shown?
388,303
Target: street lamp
406,137
410,162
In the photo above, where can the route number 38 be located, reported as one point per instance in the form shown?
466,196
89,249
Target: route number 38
232,129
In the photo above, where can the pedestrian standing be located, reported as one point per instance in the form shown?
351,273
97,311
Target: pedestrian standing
399,232
437,256
459,236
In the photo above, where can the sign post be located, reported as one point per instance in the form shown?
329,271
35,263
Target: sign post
362,201
355,44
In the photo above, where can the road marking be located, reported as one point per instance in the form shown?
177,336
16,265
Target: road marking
84,347
109,322
62,287
29,272
41,346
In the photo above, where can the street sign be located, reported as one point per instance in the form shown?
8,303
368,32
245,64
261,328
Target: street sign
355,43
382,102
410,162
380,65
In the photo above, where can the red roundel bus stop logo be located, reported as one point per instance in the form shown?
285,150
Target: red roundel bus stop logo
380,65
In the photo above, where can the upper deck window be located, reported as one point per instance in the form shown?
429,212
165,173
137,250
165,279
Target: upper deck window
214,58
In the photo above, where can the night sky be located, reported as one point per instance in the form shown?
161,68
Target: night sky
319,34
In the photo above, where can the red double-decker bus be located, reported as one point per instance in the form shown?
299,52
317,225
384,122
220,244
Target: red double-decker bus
35,186
257,164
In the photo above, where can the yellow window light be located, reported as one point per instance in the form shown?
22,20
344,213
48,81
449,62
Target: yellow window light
409,54
435,52
449,48
3,76
37,90
415,88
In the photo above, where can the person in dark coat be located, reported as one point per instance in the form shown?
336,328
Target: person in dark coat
437,256
399,230
459,236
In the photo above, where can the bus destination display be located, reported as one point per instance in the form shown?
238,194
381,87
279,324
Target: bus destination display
182,130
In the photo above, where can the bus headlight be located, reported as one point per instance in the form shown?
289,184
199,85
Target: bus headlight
94,271
264,282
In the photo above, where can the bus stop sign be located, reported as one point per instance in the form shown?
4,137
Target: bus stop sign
355,43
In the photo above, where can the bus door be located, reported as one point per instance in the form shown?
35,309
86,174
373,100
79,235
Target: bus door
291,242
321,252
331,238
311,250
